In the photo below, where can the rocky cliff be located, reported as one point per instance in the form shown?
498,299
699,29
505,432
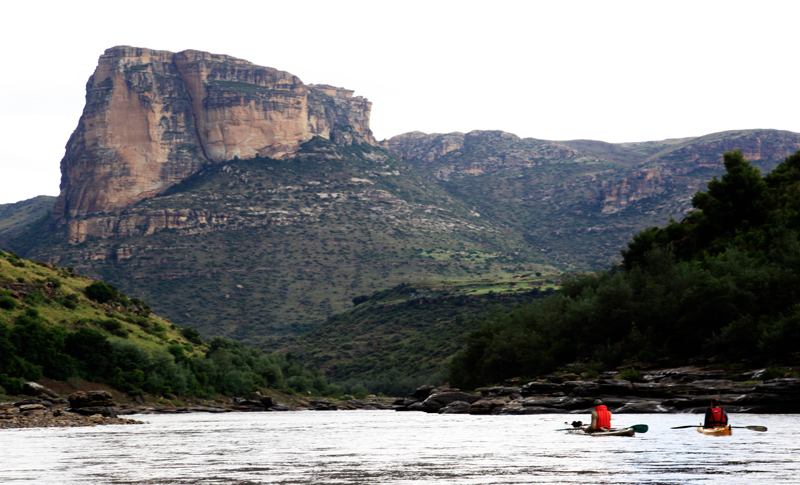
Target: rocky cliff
153,118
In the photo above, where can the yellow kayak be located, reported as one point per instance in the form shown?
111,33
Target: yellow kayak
715,431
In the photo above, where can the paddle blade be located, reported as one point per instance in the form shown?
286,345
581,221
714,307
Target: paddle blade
757,428
640,428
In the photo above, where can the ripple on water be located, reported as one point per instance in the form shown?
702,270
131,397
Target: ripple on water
383,447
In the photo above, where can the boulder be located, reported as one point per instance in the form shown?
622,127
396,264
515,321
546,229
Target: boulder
456,407
439,400
82,399
488,405
36,389
107,411
532,388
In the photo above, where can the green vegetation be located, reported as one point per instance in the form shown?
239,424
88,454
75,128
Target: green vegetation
56,324
397,339
723,283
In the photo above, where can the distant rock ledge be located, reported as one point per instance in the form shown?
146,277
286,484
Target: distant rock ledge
679,390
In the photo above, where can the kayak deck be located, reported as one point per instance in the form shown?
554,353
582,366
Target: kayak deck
611,432
715,431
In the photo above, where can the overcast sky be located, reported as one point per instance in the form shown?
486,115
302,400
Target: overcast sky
613,71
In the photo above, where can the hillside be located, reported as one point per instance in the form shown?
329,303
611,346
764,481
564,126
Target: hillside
578,202
397,339
16,217
722,285
251,250
60,325
242,202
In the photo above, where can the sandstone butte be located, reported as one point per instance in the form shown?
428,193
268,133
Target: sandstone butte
153,118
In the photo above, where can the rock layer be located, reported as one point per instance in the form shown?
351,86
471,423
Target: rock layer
679,390
153,118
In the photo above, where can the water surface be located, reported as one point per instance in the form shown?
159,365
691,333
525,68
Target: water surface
386,447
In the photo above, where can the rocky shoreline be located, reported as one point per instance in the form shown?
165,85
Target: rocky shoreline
48,411
94,408
678,390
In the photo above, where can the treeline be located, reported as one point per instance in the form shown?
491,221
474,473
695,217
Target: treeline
30,349
723,283
397,339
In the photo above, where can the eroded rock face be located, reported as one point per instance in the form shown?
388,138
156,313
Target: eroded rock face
153,118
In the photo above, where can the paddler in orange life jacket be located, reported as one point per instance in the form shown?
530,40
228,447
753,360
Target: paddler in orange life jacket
601,418
715,415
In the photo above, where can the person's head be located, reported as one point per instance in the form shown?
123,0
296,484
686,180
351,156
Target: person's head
715,403
598,402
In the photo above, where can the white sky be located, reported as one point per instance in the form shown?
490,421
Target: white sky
615,71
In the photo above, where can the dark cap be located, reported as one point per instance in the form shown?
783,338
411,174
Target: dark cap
598,402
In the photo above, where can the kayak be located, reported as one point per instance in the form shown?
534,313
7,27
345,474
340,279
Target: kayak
611,432
715,431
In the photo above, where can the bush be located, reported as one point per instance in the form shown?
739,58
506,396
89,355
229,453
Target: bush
192,336
631,374
101,292
12,385
8,303
113,326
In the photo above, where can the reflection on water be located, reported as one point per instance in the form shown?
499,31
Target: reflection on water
384,447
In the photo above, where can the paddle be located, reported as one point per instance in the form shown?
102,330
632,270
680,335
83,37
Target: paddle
751,428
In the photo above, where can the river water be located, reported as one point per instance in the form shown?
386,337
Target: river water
386,447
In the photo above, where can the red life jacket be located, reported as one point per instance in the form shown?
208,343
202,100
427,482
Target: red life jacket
718,417
603,416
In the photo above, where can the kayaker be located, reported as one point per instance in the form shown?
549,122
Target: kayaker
601,418
715,415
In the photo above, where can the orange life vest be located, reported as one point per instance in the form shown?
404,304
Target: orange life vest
603,416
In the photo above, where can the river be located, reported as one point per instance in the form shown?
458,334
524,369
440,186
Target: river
385,447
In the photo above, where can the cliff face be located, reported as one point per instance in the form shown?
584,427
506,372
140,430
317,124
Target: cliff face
153,118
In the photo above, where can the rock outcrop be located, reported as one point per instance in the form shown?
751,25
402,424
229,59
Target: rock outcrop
153,118
48,413
679,390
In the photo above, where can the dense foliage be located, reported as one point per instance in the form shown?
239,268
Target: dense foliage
724,282
31,349
57,324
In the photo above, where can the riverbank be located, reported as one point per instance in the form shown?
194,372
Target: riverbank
678,390
100,407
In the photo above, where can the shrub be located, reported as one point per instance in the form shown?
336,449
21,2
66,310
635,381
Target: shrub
12,385
192,336
113,326
631,374
8,303
101,292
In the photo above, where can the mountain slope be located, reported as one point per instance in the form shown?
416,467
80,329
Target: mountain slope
254,249
18,216
578,202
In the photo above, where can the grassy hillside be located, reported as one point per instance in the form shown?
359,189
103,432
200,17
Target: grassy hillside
60,325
